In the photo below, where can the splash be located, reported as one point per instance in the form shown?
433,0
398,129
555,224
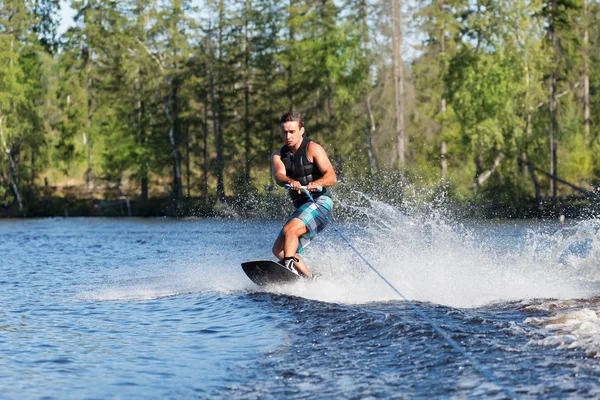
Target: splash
155,281
430,256
420,244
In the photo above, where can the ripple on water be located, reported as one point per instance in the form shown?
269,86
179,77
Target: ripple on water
161,309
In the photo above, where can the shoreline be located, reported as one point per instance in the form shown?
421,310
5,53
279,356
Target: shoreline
272,206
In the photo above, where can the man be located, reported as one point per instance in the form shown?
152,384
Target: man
301,162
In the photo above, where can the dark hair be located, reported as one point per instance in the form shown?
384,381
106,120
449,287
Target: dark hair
290,117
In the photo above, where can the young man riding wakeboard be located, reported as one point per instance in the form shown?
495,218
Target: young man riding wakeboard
301,162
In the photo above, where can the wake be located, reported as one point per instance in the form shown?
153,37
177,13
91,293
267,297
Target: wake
421,248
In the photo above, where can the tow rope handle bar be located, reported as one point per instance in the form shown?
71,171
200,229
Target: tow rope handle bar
304,189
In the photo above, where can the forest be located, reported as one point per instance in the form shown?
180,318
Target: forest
172,107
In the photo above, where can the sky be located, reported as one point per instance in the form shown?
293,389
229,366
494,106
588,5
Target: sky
66,16
66,20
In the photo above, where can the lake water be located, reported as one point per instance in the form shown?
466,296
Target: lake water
160,308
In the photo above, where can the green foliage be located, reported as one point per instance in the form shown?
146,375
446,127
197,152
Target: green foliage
6,198
180,97
576,161
484,91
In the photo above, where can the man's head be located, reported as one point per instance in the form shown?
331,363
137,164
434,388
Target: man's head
292,129
291,117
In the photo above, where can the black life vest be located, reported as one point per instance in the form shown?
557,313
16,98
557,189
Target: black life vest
299,168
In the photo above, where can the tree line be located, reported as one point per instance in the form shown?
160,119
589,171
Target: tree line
498,100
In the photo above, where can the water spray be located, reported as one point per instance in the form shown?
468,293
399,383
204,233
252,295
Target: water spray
484,372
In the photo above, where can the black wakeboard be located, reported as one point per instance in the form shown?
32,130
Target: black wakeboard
267,272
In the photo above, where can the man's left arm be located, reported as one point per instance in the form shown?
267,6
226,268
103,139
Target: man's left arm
320,159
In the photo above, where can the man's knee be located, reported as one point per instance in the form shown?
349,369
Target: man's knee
295,227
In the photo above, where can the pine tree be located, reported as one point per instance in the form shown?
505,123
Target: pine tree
21,134
439,21
560,37
84,56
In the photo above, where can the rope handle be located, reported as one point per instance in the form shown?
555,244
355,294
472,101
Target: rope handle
304,189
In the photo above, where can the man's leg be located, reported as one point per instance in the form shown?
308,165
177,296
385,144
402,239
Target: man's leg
286,244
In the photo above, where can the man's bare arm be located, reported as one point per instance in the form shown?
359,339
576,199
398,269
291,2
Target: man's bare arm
320,159
278,170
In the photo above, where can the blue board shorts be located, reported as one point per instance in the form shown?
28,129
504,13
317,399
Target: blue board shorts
313,216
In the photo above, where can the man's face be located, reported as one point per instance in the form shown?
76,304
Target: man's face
292,134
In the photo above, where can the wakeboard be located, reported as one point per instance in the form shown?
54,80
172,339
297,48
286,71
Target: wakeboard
267,272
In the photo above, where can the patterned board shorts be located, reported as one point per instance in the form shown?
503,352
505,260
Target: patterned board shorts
313,216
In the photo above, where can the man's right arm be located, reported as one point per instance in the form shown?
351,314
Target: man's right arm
278,170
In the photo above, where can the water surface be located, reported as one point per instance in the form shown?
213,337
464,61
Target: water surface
160,308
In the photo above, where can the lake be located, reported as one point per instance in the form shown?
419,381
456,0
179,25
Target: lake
160,308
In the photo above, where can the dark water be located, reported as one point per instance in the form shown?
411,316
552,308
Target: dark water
107,308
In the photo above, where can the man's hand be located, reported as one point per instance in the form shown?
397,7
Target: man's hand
314,187
295,185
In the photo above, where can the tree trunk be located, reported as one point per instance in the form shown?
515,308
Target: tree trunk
370,126
247,95
290,85
443,150
88,139
32,172
187,157
536,183
215,123
371,130
478,165
205,149
443,161
398,81
11,174
142,137
484,175
141,37
572,186
220,160
275,135
144,193
11,169
586,72
173,134
553,90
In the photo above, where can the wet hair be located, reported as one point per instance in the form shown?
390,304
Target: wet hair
290,117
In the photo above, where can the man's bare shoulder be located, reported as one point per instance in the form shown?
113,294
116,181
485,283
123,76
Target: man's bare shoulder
276,153
315,149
